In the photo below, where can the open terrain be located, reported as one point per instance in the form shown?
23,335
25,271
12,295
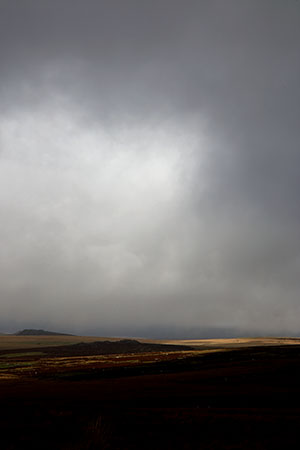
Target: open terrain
68,392
17,341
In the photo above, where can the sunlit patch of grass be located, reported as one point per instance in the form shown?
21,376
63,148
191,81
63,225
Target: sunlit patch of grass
212,350
8,376
10,365
18,365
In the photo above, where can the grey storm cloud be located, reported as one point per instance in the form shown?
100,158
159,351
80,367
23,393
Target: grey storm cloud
149,166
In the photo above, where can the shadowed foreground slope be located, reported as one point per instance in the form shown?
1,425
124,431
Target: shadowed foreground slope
238,399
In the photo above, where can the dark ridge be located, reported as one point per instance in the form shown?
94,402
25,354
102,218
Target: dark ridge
33,332
116,347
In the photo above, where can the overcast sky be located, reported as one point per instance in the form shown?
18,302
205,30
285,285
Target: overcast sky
149,166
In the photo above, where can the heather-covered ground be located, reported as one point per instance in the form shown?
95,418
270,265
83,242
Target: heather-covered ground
241,398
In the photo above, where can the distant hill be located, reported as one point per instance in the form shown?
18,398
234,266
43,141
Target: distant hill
33,332
109,348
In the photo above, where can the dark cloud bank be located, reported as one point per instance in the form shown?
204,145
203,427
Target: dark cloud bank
149,167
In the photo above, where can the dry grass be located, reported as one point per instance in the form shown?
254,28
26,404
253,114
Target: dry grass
61,366
20,355
235,342
25,342
28,342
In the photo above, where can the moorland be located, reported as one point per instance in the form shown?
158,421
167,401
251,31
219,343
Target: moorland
72,392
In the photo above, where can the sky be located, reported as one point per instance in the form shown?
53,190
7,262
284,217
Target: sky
149,167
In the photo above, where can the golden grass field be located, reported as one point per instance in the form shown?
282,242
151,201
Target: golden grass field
22,342
26,359
236,342
31,364
212,394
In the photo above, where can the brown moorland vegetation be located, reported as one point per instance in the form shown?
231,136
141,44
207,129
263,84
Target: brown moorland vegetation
231,397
